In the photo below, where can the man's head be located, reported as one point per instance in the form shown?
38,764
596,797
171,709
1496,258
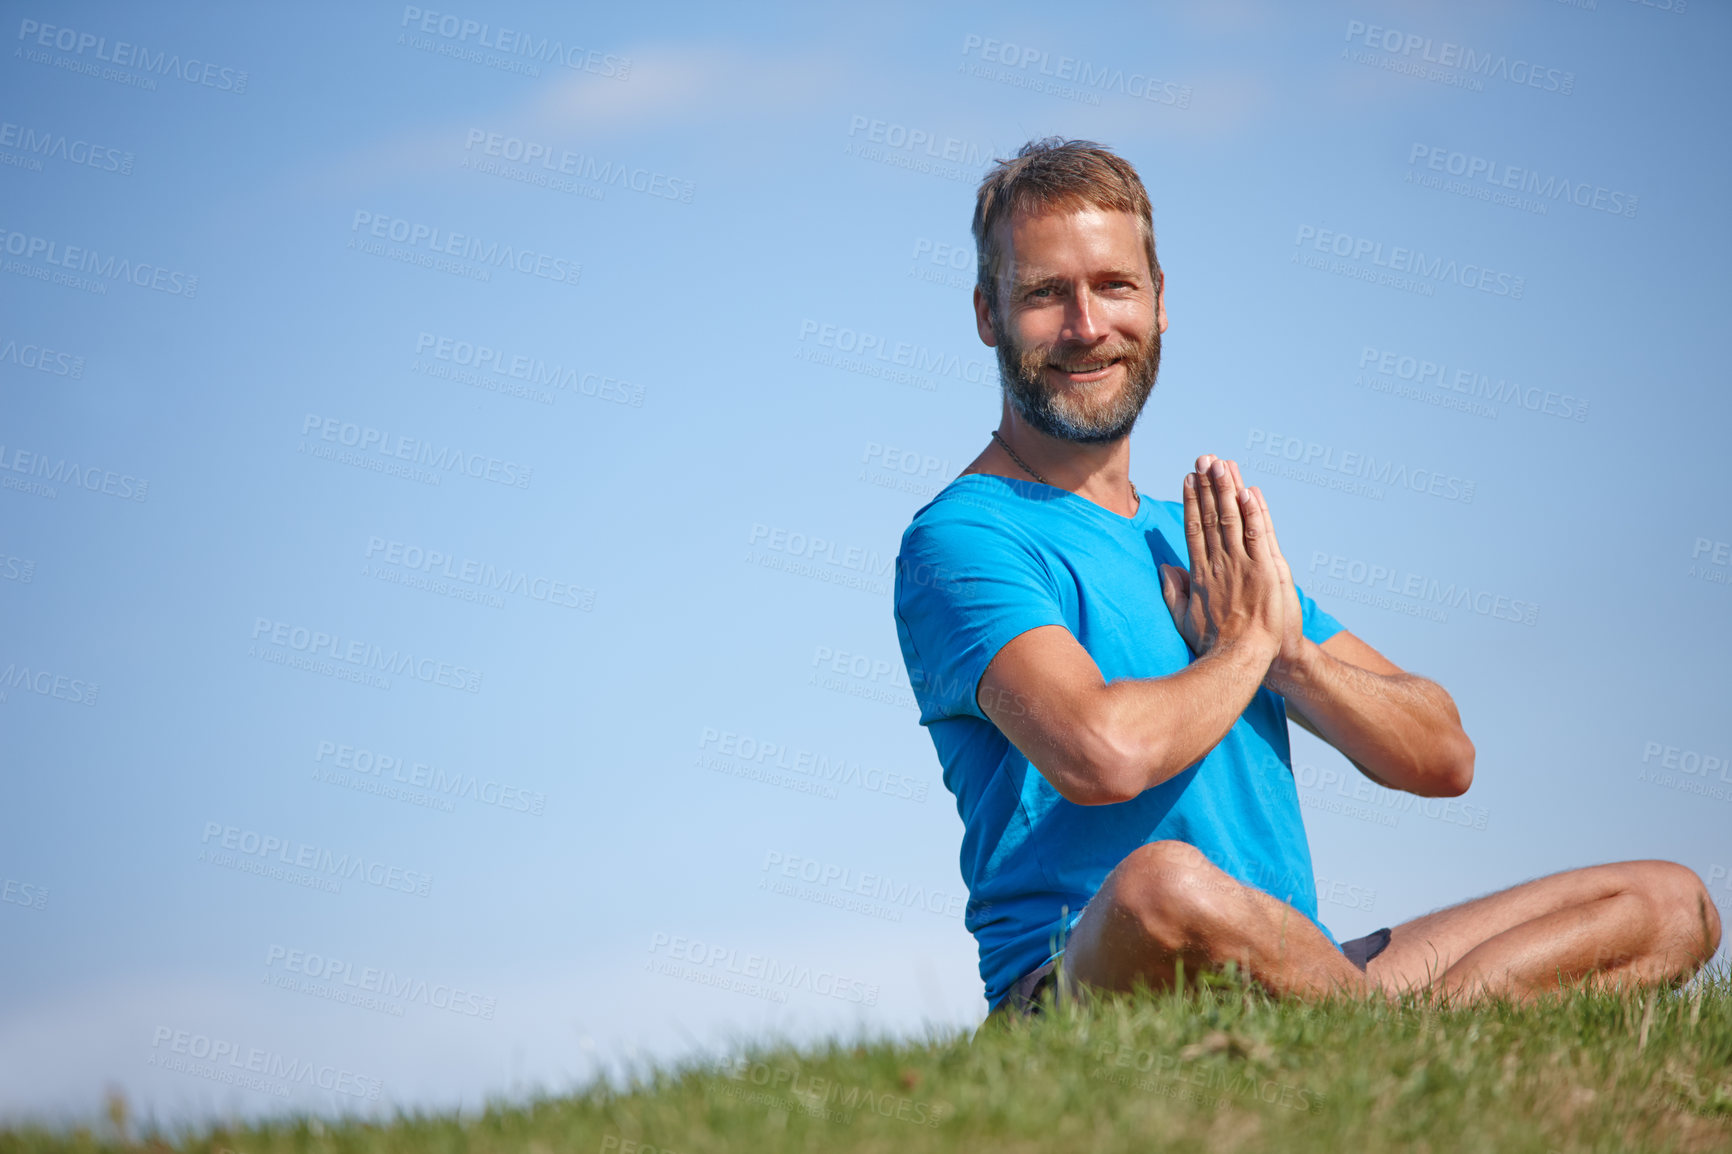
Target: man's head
1069,288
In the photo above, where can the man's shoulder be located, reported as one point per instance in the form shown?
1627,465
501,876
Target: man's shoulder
979,525
978,500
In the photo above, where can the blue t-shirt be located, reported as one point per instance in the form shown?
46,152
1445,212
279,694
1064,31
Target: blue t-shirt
991,557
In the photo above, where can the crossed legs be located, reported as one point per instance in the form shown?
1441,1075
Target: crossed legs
1640,922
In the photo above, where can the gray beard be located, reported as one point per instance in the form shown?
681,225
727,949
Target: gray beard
1058,414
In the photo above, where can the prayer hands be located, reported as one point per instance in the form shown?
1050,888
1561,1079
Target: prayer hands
1239,589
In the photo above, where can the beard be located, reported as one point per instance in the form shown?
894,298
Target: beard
1088,414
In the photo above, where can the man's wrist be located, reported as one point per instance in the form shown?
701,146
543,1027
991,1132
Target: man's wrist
1250,653
1291,677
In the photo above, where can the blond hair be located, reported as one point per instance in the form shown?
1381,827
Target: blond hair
1054,173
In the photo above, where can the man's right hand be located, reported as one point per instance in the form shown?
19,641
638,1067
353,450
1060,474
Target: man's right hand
1234,596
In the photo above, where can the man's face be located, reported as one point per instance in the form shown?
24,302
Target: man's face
1078,324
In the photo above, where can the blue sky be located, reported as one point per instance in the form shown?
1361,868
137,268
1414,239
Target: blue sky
447,643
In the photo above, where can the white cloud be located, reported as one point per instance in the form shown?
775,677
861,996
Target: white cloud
685,87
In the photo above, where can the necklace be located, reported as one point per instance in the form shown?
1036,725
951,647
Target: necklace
1135,496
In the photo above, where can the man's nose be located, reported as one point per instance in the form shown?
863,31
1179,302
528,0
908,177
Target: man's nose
1082,320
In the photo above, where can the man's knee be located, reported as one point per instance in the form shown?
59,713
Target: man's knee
1173,891
1686,903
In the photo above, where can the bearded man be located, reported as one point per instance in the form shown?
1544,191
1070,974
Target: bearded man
1107,678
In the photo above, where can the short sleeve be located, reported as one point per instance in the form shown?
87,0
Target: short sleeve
962,591
1318,626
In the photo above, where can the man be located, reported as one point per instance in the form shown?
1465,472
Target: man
1107,678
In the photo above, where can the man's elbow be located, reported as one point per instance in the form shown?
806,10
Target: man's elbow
1086,791
1454,772
1100,771
1085,781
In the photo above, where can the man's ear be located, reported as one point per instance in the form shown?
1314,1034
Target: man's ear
1161,302
983,319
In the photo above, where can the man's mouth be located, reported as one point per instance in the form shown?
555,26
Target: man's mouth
1087,370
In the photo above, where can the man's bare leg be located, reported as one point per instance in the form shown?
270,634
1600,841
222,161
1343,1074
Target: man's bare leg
1629,923
1642,922
1166,902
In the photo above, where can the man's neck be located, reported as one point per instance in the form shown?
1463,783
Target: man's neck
1099,473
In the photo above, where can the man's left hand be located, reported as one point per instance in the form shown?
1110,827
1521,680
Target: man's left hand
1292,636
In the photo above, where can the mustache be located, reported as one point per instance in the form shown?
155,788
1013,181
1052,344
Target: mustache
1036,357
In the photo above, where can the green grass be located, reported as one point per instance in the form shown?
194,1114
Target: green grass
1223,1069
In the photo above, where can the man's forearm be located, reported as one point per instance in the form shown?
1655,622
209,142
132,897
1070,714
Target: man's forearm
1400,729
1162,726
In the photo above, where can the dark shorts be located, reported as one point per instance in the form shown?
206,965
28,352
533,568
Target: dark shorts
1025,993
1359,951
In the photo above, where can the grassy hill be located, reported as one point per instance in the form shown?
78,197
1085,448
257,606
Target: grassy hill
1223,1069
